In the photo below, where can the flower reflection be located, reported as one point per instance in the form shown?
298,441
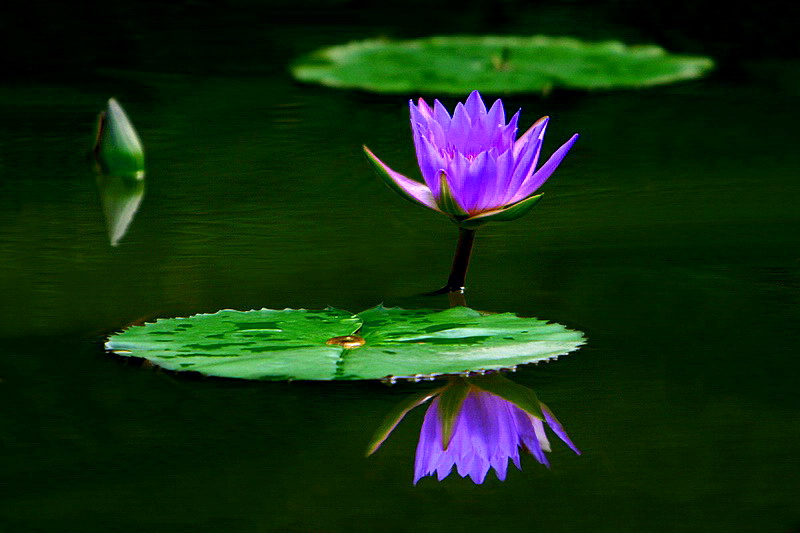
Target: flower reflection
477,424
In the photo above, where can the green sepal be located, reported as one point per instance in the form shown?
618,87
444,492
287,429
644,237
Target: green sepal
450,401
446,200
505,214
396,415
118,149
521,396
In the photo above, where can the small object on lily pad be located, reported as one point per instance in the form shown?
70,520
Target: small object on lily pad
494,64
331,344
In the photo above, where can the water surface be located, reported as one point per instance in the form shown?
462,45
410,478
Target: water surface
669,235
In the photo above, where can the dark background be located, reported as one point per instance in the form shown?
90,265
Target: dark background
668,235
57,39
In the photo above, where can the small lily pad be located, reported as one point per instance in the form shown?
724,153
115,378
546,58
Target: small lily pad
332,344
494,64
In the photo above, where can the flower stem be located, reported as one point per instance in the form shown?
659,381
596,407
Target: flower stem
457,299
458,272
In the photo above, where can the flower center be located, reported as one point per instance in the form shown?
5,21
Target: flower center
450,152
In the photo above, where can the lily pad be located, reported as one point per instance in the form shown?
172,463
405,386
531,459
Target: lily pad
380,343
494,64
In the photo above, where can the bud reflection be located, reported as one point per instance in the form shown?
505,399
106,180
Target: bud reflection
120,197
477,423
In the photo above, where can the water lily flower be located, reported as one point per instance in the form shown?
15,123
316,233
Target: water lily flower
475,169
475,425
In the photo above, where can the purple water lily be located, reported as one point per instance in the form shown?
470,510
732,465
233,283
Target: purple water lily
475,430
475,169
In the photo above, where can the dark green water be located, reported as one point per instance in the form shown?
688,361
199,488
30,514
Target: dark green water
670,236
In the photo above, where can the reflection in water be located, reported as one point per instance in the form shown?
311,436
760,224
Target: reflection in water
121,197
476,424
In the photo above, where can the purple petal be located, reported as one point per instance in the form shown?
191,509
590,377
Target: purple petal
441,115
500,464
430,162
541,436
489,184
418,191
507,440
475,108
506,134
422,117
464,463
475,181
536,180
534,446
418,118
424,108
459,128
480,467
436,134
530,140
443,470
557,428
468,445
478,140
417,130
457,172
527,435
502,182
534,132
497,115
523,167
485,190
429,446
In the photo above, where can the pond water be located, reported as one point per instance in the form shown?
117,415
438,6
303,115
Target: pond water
669,235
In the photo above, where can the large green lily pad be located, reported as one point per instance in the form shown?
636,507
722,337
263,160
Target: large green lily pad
494,64
388,343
